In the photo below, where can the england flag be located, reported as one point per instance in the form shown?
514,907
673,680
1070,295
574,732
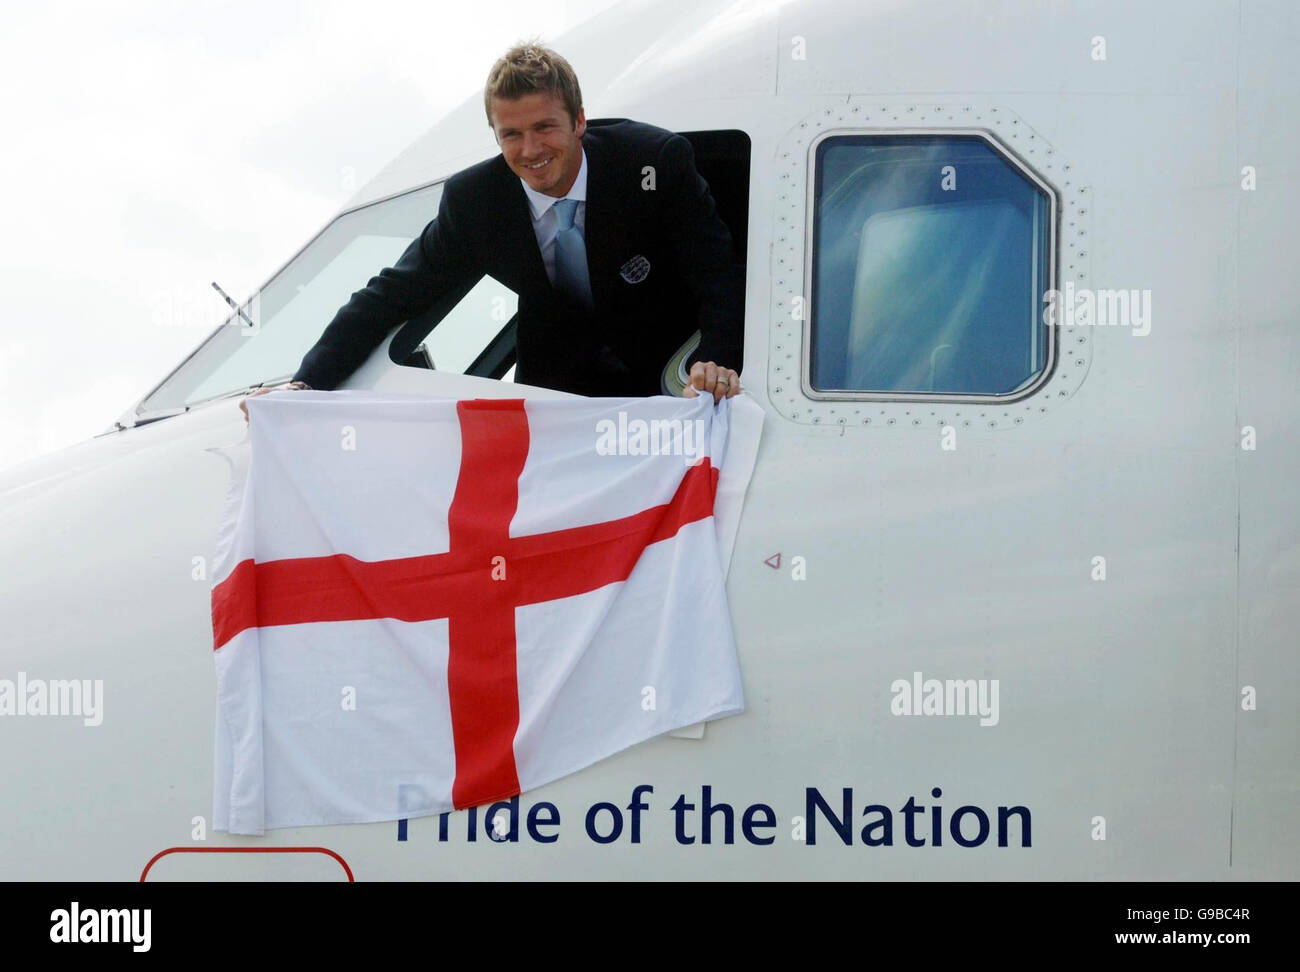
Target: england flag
424,604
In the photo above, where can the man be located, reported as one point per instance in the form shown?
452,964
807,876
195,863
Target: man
606,232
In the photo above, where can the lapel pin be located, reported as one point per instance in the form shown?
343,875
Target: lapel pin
635,270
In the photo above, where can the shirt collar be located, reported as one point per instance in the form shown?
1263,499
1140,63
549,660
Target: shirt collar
539,202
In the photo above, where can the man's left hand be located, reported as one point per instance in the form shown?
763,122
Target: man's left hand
708,377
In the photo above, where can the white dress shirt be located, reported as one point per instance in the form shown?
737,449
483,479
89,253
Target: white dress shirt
544,222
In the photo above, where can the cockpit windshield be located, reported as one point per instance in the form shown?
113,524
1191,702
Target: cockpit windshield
293,308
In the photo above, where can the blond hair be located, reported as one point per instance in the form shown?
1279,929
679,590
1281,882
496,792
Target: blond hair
529,67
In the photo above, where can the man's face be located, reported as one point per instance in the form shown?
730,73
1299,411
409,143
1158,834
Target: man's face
539,141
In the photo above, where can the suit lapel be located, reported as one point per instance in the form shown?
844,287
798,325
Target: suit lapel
597,225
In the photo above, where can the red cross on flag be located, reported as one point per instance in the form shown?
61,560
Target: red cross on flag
422,604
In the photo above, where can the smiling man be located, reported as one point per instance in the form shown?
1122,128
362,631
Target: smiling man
604,229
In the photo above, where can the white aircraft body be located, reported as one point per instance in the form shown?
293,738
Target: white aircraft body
1048,570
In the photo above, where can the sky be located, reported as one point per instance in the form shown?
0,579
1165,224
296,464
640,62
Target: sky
154,146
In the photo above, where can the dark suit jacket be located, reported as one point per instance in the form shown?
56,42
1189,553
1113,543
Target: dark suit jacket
484,226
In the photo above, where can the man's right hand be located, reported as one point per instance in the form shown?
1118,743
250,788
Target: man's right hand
287,386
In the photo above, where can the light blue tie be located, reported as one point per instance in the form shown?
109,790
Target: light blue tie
571,274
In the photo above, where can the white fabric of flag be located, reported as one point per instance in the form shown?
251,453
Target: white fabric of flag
424,604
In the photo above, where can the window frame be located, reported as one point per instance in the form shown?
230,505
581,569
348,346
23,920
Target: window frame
810,226
140,415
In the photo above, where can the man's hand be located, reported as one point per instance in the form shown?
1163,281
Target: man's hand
287,386
708,377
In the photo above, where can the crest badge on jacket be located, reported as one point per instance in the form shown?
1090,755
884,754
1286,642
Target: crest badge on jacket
635,270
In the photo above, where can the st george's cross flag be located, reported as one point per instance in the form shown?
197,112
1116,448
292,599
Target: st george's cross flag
425,604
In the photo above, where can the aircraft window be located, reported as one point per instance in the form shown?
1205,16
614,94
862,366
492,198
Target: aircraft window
930,255
460,336
295,305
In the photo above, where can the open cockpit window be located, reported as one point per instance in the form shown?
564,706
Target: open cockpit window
469,332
